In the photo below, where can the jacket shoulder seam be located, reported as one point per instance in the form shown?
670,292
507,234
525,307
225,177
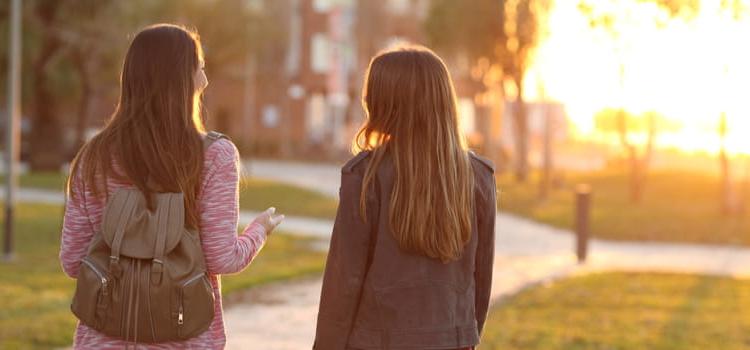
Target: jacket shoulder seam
352,163
487,163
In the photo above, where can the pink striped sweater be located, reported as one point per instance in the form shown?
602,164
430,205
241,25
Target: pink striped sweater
224,250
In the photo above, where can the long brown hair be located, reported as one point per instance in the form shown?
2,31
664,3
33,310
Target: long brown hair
154,134
411,111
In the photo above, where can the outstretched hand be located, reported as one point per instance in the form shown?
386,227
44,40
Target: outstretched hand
268,220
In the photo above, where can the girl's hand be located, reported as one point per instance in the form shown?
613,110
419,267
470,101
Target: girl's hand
268,220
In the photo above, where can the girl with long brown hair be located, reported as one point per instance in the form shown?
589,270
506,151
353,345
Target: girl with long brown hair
410,260
154,142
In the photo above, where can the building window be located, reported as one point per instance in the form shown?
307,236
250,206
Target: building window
395,41
399,7
270,116
315,118
422,8
254,5
319,53
321,5
467,116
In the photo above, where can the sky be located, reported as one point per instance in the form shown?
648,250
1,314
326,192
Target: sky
690,71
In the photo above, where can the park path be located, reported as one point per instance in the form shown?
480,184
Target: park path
282,315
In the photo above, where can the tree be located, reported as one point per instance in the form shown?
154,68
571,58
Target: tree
616,21
76,47
495,35
624,125
93,48
523,19
46,137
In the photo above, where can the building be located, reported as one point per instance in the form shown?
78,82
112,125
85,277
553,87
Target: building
303,100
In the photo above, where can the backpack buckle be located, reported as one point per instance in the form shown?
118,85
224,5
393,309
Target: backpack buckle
157,268
114,266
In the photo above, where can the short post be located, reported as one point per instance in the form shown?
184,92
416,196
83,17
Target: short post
583,207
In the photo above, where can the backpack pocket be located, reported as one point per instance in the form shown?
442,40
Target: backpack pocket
195,307
92,295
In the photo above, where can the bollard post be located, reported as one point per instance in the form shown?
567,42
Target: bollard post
583,208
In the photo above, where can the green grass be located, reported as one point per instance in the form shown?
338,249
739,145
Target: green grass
52,181
676,207
258,195
284,257
35,294
619,311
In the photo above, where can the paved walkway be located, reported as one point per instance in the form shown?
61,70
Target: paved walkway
319,177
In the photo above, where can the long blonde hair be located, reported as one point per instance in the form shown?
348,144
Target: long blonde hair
411,111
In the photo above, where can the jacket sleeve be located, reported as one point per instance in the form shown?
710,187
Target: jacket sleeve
485,253
225,251
346,266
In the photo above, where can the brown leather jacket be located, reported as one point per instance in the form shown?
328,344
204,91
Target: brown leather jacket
376,296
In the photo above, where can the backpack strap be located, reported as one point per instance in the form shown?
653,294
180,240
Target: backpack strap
126,205
211,137
168,216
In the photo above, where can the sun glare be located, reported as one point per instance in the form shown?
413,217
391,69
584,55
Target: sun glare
690,71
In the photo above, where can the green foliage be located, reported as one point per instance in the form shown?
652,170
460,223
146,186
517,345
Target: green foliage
506,32
621,311
475,28
69,44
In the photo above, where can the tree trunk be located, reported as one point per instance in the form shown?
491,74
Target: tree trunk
636,177
727,203
46,134
522,136
546,178
84,104
640,166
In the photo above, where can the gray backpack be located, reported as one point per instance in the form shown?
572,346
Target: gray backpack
144,277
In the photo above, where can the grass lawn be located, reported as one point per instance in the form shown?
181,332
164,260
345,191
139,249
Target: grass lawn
35,294
676,207
258,195
619,311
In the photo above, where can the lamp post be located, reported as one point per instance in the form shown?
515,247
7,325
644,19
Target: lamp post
12,125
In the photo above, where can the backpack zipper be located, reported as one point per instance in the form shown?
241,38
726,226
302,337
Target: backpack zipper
192,279
98,273
101,303
181,314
